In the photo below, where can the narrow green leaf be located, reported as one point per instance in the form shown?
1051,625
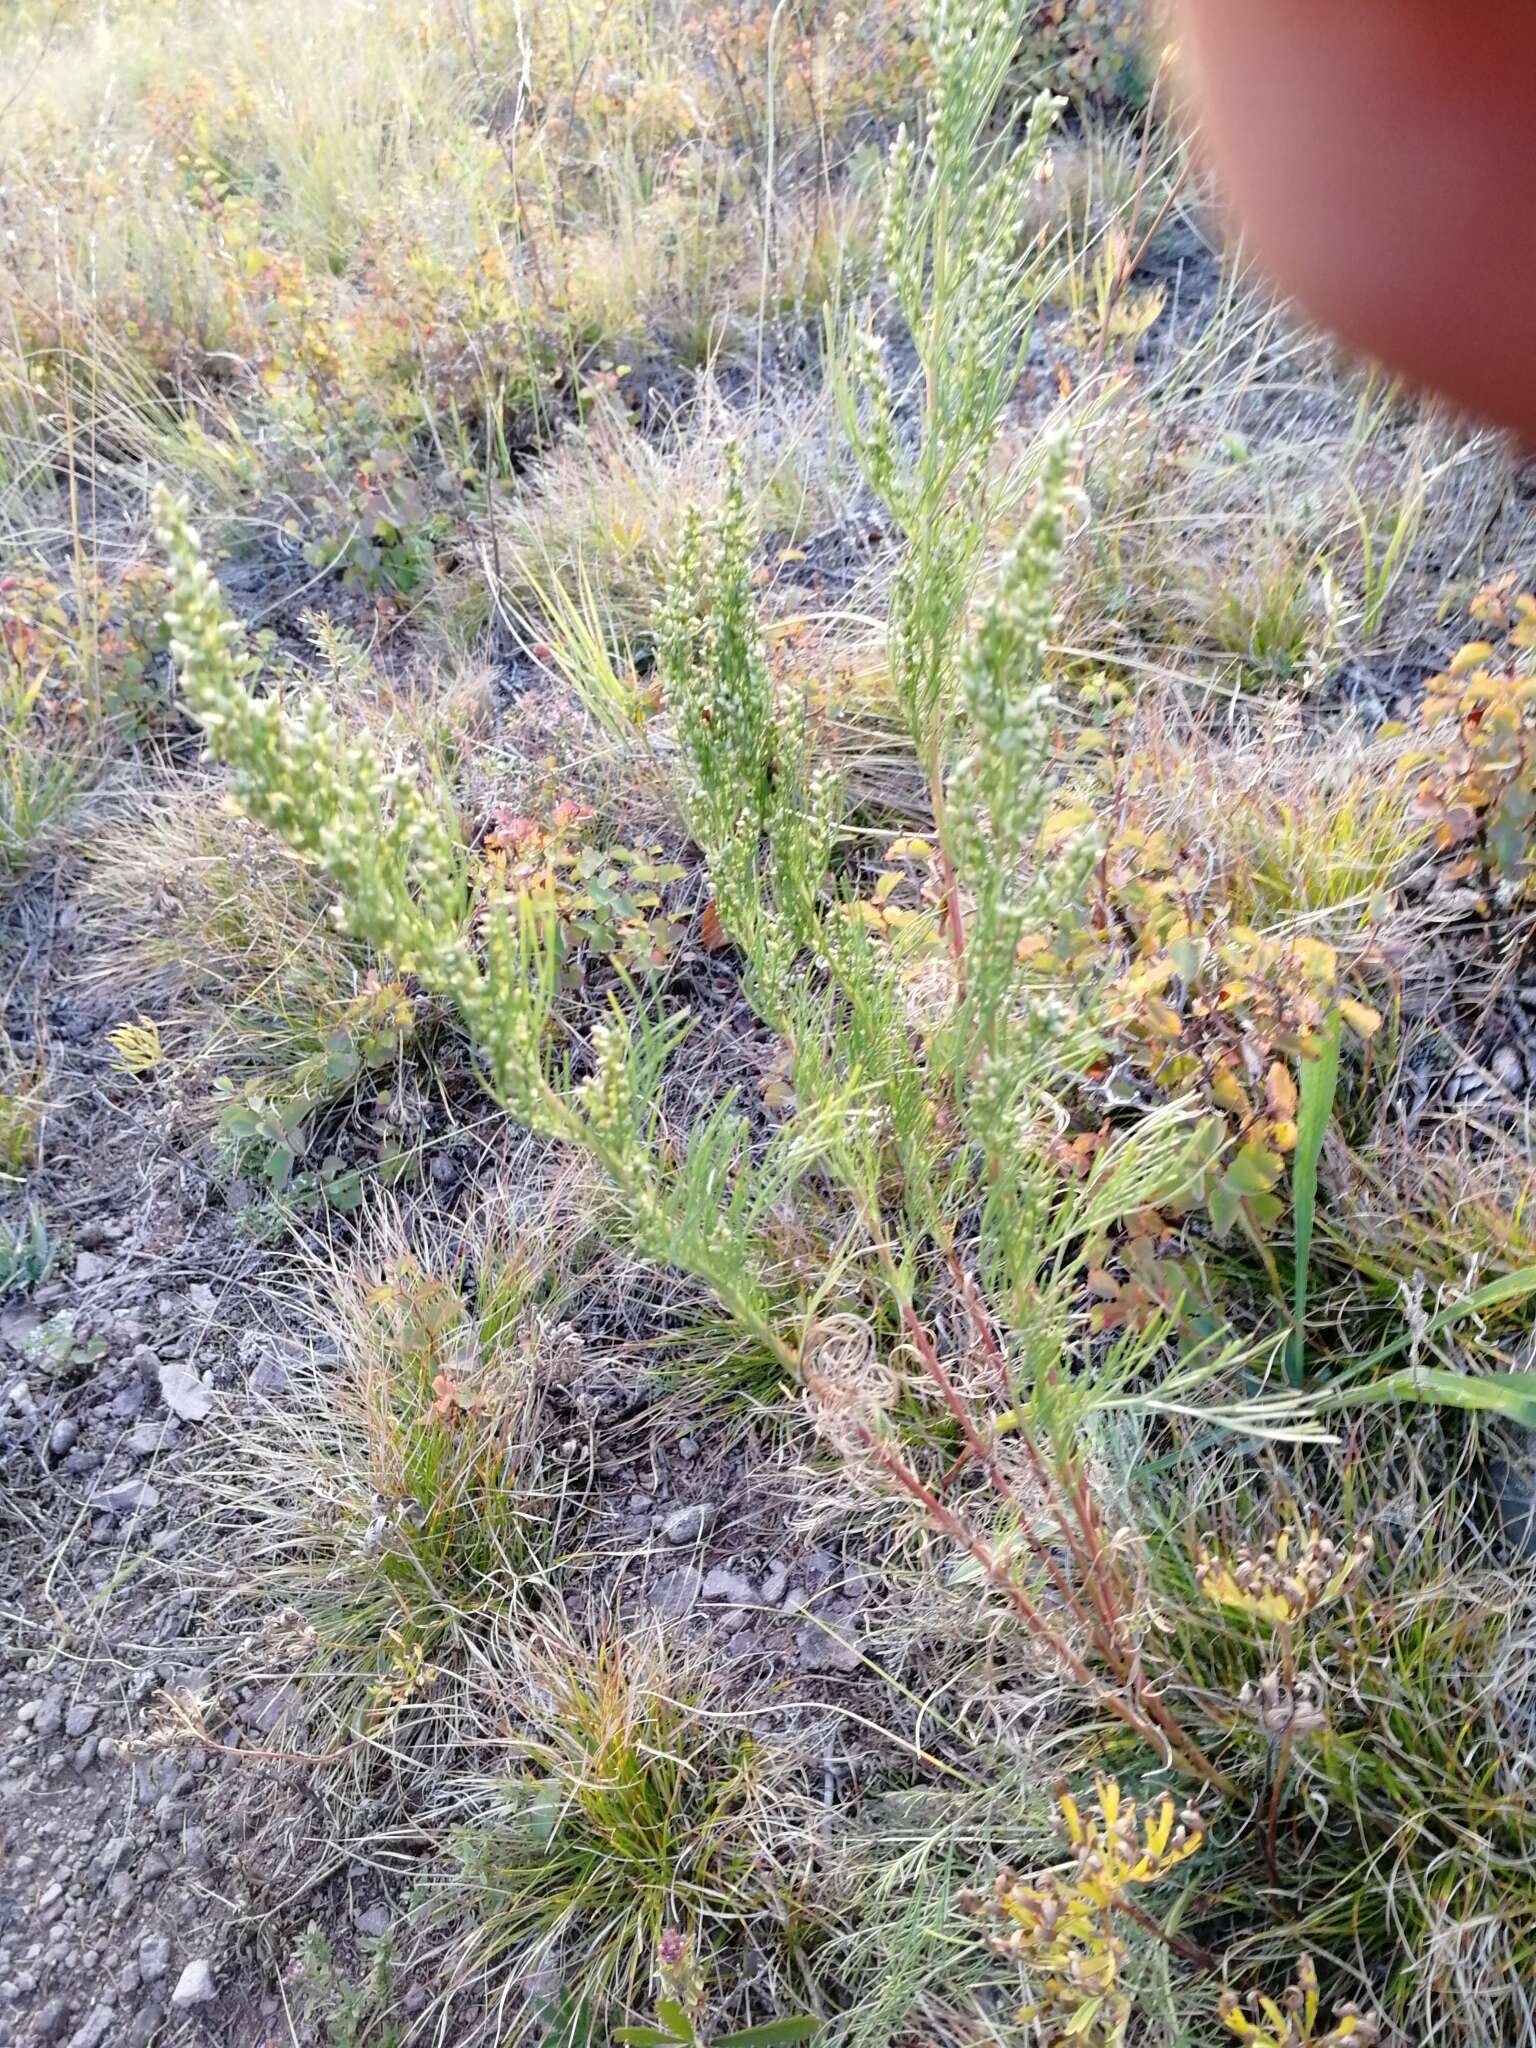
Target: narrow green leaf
1501,1393
645,2037
1319,1085
772,2034
1514,1286
672,2015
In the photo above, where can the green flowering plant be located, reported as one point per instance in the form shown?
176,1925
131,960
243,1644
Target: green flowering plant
916,1141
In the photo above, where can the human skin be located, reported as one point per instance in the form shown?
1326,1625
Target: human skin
1380,159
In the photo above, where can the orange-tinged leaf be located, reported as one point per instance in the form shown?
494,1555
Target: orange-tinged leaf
1488,607
712,933
1280,1092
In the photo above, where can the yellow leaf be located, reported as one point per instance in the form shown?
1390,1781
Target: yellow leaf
1227,1092
136,1047
1472,656
1360,1017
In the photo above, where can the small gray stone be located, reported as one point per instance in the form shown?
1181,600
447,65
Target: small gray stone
80,1720
1508,1069
372,1920
775,1585
62,1437
127,1402
194,1986
270,1377
94,2028
89,1268
675,1591
268,1709
49,1718
821,1651
154,1957
114,1854
183,1392
128,1497
721,1584
687,1525
52,2020
145,2025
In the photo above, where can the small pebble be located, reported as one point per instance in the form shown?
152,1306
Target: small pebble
687,1525
154,1957
194,1986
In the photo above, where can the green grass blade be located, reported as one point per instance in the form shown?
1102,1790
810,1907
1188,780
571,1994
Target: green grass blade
772,2034
1516,1286
1512,1394
1319,1085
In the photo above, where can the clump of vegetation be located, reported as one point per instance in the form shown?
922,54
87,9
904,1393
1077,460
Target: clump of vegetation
842,894
1062,1931
410,1503
355,2013
924,1068
631,1800
1480,789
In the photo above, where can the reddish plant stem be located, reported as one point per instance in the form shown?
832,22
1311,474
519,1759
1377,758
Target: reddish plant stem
954,922
1085,1559
1160,1732
1106,1636
1189,1950
934,1367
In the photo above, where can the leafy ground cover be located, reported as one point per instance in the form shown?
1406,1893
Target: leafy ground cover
764,1123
